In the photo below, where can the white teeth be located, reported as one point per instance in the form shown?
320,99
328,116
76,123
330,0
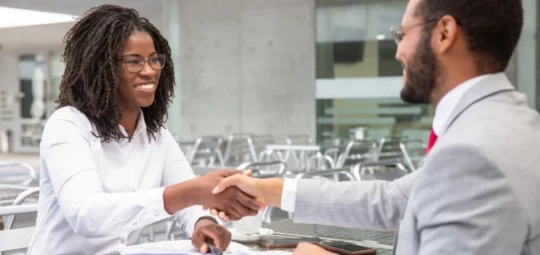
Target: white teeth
145,86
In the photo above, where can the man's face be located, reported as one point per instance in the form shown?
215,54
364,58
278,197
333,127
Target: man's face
420,67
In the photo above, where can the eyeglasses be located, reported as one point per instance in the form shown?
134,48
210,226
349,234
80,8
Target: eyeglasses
135,64
399,32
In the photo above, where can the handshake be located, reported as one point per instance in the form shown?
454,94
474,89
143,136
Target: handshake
234,194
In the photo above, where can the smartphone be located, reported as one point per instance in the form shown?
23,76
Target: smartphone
287,242
347,248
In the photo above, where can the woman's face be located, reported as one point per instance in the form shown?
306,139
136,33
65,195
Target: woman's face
138,79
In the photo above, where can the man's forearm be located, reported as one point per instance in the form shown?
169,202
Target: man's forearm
272,190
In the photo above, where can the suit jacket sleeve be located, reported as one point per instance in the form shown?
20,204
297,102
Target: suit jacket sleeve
464,204
367,204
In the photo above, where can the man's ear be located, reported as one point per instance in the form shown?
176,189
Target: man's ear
444,34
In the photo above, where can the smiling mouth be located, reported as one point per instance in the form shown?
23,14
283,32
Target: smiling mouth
145,87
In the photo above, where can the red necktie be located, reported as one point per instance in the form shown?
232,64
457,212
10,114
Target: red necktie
431,142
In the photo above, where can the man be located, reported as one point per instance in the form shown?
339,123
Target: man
477,190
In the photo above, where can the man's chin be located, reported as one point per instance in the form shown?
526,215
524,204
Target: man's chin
410,97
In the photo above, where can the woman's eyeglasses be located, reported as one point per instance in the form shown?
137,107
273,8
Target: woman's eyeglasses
135,64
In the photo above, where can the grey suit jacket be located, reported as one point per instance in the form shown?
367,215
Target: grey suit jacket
477,192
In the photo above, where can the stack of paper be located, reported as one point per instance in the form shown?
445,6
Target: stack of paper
184,247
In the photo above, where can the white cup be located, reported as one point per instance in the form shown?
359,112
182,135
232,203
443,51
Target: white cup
249,224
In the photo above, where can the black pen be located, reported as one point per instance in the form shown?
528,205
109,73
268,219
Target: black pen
213,249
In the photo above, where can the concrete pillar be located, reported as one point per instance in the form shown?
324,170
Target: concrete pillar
172,32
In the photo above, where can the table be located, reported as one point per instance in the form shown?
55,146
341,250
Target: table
382,241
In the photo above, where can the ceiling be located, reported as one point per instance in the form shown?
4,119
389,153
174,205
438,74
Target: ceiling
51,36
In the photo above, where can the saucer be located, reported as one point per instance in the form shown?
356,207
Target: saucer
250,237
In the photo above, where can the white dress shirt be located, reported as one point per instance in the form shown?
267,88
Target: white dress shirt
96,197
442,113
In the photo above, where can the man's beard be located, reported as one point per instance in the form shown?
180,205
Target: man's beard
421,74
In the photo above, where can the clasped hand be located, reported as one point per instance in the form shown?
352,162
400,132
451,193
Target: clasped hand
254,188
233,201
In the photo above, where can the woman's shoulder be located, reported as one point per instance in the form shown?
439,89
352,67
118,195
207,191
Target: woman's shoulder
71,115
164,135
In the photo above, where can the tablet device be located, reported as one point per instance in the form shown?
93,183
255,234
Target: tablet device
347,248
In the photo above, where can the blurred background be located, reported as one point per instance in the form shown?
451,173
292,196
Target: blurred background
289,88
266,72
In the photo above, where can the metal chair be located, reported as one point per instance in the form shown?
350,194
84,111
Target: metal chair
268,155
18,179
380,170
390,148
239,149
19,200
414,152
358,151
334,173
320,162
10,192
16,239
299,140
261,141
205,151
265,169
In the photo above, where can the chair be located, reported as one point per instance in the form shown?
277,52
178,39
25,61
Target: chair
261,141
268,155
299,140
414,152
10,192
332,153
381,170
390,148
239,149
19,200
320,162
18,179
265,169
358,151
334,173
205,151
16,239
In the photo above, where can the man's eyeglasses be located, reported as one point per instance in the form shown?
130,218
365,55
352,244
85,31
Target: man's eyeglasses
398,32
135,64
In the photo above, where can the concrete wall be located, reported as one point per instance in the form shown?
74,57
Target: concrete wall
9,88
247,66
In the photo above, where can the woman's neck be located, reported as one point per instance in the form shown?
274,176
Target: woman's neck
129,121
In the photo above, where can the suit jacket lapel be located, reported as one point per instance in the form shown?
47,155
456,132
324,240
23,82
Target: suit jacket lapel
491,85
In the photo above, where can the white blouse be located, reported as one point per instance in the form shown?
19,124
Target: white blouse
96,197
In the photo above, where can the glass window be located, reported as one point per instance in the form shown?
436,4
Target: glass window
358,77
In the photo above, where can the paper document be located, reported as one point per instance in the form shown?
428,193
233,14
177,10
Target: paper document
184,247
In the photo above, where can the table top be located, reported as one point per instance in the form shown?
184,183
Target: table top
380,240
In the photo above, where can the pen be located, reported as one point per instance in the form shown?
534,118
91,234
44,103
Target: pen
213,249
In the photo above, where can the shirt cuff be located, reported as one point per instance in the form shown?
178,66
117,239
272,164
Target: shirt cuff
155,206
288,196
191,216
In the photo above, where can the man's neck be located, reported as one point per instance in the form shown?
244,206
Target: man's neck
447,83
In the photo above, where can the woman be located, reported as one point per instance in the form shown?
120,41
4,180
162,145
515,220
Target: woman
108,165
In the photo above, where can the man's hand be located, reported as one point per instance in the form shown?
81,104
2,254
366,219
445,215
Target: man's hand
235,203
267,191
207,230
310,249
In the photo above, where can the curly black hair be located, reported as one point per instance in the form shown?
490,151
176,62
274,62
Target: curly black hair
91,79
